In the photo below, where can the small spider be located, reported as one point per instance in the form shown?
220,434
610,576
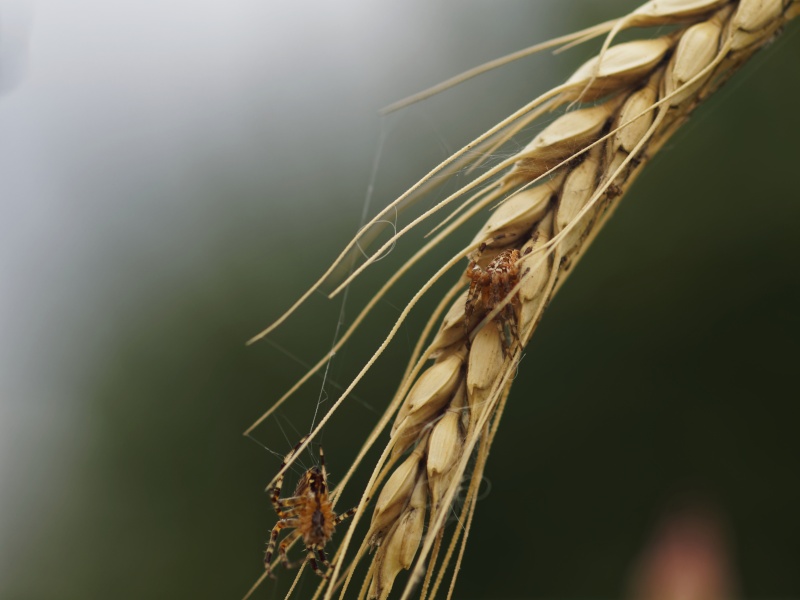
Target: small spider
491,286
309,512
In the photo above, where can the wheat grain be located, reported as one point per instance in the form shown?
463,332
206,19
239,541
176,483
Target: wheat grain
555,195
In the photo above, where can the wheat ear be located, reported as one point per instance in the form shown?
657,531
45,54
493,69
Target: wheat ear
553,196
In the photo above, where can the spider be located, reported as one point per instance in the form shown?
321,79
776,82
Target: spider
309,512
490,287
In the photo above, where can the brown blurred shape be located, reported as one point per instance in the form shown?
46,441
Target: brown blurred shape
688,558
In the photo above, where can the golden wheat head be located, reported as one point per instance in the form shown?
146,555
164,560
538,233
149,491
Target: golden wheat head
552,198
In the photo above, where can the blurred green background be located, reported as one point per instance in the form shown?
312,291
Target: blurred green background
175,174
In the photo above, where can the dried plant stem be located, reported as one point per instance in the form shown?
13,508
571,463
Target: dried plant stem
552,199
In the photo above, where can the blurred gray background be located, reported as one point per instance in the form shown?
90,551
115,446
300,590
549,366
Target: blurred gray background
174,174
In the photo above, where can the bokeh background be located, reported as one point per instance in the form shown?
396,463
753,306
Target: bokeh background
174,174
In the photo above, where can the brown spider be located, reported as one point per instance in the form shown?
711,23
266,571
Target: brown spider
309,512
491,286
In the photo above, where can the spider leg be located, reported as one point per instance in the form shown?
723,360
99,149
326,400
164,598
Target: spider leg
273,538
345,515
290,503
324,560
290,513
275,494
324,484
500,280
475,275
513,303
510,320
287,541
311,558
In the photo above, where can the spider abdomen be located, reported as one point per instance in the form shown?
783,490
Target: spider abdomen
316,522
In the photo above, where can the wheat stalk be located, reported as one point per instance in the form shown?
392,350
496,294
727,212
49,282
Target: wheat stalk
554,195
